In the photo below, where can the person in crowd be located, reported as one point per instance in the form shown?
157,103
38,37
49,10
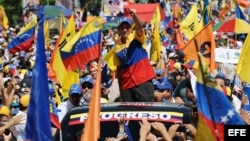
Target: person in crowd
245,116
190,97
164,93
93,70
87,84
75,95
181,89
15,104
19,129
221,81
121,135
7,122
146,127
132,61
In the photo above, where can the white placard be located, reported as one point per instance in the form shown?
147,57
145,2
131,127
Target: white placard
227,55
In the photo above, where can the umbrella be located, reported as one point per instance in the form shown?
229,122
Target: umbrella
109,25
51,11
114,22
232,25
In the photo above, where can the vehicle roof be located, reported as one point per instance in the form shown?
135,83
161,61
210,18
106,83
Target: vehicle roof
73,122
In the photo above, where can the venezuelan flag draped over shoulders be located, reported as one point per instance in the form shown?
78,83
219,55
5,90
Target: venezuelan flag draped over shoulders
84,47
214,108
24,39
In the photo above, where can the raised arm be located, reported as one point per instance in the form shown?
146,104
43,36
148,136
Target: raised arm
138,23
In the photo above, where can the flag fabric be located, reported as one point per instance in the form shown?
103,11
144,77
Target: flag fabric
214,108
54,115
156,46
58,97
224,11
193,80
178,34
189,25
111,60
206,46
46,34
84,47
4,22
92,125
239,14
154,54
243,66
38,126
64,77
206,12
24,39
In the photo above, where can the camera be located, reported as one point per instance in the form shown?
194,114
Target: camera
7,131
188,135
181,128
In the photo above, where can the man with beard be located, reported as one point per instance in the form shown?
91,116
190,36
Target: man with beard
87,84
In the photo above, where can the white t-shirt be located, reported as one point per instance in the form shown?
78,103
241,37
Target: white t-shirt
64,108
19,129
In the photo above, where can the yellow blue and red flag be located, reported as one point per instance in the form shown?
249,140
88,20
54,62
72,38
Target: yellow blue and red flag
54,115
24,39
84,47
214,108
57,71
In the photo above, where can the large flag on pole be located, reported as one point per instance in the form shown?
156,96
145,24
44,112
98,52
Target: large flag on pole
64,77
206,46
24,39
84,47
214,108
38,126
243,67
189,25
92,126
156,46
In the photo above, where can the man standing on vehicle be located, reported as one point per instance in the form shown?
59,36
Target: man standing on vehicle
134,71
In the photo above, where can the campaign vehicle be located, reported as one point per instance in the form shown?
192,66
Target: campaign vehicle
73,122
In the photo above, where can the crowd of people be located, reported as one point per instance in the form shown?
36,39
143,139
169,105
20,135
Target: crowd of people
135,77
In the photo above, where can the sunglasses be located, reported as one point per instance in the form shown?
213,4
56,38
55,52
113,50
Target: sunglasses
89,86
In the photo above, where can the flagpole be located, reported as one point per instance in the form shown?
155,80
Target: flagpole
206,91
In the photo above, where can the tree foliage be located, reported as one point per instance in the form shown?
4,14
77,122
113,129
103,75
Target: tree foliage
14,9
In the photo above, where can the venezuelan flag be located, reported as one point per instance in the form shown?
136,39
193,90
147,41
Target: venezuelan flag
24,39
214,108
84,47
54,116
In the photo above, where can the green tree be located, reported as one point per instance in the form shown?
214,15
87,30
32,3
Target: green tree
14,9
